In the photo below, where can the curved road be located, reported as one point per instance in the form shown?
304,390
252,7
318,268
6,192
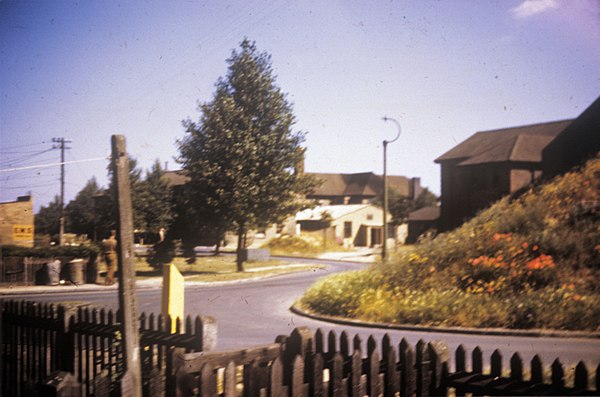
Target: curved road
255,312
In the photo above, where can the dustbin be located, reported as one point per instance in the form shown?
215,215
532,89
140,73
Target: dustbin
91,271
76,271
53,272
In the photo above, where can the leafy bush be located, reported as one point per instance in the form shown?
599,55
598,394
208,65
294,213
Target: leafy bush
288,245
81,251
161,253
505,267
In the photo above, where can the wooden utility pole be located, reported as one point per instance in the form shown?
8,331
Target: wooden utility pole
132,381
61,146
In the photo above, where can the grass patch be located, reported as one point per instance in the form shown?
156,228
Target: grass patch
533,262
219,268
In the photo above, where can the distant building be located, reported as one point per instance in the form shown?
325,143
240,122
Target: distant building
360,188
353,225
490,165
349,198
16,222
422,221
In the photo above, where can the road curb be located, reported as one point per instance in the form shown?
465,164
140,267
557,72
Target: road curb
450,330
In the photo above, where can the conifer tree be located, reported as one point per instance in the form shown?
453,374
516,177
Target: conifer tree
241,155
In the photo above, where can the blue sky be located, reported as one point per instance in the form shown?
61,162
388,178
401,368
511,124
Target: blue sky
85,70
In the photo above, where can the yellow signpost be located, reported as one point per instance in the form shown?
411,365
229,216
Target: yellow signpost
172,295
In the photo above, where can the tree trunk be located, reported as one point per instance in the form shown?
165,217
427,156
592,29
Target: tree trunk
218,243
240,247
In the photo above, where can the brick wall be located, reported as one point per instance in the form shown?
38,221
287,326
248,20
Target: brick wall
16,222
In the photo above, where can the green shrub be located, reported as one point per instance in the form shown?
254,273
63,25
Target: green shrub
80,251
288,245
161,253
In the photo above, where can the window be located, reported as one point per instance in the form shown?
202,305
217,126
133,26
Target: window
347,229
369,217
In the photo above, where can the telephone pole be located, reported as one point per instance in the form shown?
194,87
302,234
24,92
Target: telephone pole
61,145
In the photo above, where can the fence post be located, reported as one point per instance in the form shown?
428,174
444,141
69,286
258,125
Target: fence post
439,354
337,383
314,370
298,343
65,340
392,380
422,367
206,331
407,374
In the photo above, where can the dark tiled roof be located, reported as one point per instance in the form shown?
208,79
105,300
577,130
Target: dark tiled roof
523,144
360,184
425,214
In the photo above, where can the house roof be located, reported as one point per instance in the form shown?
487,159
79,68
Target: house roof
336,211
425,214
359,184
516,144
175,178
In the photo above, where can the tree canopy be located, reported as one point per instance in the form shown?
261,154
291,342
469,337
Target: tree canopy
81,212
401,206
47,220
153,201
92,212
242,153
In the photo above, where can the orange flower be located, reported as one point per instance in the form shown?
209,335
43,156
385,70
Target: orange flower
535,248
525,245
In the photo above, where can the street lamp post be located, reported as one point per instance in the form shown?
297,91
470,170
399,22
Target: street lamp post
385,189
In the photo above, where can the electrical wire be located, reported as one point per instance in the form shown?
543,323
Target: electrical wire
51,165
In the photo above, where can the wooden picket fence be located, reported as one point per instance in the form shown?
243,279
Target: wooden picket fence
40,339
76,351
300,366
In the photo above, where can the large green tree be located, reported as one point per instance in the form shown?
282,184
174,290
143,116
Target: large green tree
105,204
153,201
47,220
81,211
241,155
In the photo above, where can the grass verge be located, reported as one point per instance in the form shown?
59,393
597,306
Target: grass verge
220,268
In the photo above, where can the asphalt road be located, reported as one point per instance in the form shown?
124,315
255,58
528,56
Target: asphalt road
255,312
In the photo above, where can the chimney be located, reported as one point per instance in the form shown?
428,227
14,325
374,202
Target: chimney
414,189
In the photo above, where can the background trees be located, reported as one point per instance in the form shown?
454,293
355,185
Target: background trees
81,212
153,201
400,206
92,212
240,156
47,220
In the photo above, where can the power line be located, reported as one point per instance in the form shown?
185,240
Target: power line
53,164
27,145
25,158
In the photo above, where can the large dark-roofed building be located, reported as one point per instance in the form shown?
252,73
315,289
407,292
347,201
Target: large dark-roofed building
360,188
490,165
